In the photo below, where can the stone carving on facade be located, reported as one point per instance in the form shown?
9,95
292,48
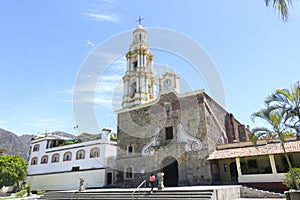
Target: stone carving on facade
155,141
192,143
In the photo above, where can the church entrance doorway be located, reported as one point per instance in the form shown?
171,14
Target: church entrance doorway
170,169
109,178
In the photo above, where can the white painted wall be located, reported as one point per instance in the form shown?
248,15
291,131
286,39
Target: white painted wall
257,178
59,175
67,181
106,150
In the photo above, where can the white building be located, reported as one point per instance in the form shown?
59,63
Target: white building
58,163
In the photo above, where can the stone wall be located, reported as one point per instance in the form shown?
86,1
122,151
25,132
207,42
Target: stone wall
137,127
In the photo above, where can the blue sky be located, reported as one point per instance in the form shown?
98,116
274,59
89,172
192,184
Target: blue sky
45,43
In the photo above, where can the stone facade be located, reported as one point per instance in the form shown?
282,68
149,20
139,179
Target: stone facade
169,132
174,134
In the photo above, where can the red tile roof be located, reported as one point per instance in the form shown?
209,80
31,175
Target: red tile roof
259,150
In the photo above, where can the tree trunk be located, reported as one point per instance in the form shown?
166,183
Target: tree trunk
290,166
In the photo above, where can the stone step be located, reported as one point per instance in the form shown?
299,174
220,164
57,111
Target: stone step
128,198
247,192
124,195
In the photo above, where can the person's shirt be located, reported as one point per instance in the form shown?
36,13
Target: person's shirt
152,178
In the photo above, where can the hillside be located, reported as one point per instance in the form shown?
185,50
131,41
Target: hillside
15,144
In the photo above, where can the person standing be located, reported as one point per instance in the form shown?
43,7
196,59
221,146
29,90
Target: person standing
152,180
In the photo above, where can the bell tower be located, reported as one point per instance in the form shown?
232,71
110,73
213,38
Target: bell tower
139,79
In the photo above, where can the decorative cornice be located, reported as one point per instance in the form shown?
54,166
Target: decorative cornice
192,143
187,94
155,141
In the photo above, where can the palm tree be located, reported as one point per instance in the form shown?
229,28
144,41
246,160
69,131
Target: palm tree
276,120
289,102
282,6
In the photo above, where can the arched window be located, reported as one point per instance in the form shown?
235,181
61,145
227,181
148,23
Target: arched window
80,154
44,160
134,65
67,156
34,161
95,152
36,147
55,158
130,149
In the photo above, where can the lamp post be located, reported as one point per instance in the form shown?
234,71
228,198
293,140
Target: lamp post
160,175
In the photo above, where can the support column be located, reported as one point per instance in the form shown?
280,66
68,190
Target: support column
141,64
238,166
128,64
138,60
146,85
153,89
142,84
138,85
125,90
273,164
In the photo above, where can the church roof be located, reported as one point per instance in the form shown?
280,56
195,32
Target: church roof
265,147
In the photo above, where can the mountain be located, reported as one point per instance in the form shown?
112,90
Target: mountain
20,145
14,144
63,134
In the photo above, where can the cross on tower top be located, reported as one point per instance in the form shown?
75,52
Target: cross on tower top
140,20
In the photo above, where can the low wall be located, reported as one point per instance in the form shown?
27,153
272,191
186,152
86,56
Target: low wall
67,180
255,193
268,186
227,193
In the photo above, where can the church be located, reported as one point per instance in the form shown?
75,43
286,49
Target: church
163,130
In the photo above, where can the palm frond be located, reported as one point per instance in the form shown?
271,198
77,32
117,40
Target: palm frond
296,93
286,94
263,114
282,6
259,133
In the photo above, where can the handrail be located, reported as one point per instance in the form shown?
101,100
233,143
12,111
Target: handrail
137,189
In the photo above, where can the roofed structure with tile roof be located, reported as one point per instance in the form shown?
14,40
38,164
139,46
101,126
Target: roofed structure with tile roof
248,149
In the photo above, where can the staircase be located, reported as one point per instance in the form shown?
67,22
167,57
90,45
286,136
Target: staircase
175,193
247,192
127,195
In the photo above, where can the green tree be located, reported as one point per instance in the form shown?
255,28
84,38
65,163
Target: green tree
282,6
289,101
276,115
288,179
12,170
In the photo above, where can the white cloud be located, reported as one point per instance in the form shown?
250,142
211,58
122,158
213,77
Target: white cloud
97,89
111,78
101,17
103,100
65,100
67,91
102,11
64,95
49,124
89,43
3,121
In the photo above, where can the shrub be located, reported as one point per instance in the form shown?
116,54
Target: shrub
28,189
21,193
113,138
288,179
40,192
